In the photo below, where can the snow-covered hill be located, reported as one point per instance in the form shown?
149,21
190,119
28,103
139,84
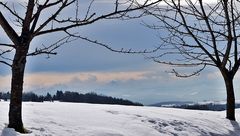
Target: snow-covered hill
76,119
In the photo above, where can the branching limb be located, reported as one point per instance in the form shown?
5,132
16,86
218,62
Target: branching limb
5,60
51,49
9,30
195,73
130,51
72,23
5,63
7,45
12,11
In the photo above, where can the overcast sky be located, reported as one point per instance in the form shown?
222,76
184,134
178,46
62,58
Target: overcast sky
85,67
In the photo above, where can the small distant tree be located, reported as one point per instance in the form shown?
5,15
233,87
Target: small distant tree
199,34
58,96
45,17
6,96
48,97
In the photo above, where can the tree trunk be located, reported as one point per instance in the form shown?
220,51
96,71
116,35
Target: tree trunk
15,110
230,97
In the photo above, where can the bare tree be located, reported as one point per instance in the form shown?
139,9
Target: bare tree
43,17
200,34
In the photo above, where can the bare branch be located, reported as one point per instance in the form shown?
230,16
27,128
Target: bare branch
51,49
13,12
205,18
27,20
229,31
7,45
195,73
64,5
86,21
5,60
9,30
5,63
129,51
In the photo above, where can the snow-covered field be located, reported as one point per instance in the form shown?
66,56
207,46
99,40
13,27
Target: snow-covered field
75,119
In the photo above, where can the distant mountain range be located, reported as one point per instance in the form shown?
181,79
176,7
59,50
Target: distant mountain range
205,105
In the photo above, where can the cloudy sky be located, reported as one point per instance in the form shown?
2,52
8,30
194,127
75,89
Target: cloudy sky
85,67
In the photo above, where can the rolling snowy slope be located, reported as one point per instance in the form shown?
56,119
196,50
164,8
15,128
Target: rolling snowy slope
76,119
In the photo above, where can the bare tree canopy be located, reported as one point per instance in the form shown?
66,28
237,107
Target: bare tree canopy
200,33
46,17
22,21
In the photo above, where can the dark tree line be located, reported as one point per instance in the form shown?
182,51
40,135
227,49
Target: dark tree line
72,97
207,106
210,107
5,96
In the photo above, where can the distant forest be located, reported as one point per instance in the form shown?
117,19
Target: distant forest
212,106
68,96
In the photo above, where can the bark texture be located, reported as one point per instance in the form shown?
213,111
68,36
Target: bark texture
15,110
230,98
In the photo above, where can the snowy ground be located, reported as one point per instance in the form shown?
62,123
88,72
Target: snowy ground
75,119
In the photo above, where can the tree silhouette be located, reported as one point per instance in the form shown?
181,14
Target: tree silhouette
200,34
44,17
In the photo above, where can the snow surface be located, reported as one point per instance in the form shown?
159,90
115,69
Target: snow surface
78,119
